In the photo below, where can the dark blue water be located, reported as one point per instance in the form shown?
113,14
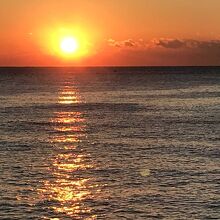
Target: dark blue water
110,143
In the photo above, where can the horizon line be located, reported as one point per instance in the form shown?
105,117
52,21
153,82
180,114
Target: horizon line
111,66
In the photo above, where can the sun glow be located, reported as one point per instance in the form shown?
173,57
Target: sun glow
69,45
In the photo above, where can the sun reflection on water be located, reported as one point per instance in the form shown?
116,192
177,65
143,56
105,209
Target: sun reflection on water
68,95
69,188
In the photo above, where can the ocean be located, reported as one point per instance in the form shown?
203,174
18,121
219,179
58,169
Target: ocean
110,143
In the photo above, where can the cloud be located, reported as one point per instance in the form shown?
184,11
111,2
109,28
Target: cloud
187,44
167,51
214,44
167,43
170,43
129,43
113,43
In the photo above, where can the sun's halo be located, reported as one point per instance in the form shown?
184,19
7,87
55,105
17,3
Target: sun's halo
69,45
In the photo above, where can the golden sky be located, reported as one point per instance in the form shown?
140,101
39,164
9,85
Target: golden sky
110,32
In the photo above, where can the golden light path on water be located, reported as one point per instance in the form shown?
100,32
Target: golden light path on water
69,95
69,188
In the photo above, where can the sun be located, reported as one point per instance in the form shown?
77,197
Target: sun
69,45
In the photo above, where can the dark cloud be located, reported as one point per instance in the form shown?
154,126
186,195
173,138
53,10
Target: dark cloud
168,51
170,43
171,51
129,43
188,44
214,44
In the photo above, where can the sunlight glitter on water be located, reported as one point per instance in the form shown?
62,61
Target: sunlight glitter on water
69,95
69,190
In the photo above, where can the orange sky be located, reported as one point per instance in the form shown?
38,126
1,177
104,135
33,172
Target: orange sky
111,32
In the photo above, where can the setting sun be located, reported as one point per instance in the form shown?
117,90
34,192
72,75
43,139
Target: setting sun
69,45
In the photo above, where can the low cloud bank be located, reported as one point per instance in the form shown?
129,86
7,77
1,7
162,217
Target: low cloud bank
166,43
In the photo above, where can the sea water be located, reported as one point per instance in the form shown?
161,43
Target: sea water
110,143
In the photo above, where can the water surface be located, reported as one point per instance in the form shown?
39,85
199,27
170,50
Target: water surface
109,143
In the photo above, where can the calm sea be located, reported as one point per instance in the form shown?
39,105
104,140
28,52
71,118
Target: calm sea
110,143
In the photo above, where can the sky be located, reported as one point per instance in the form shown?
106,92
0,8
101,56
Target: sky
110,32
